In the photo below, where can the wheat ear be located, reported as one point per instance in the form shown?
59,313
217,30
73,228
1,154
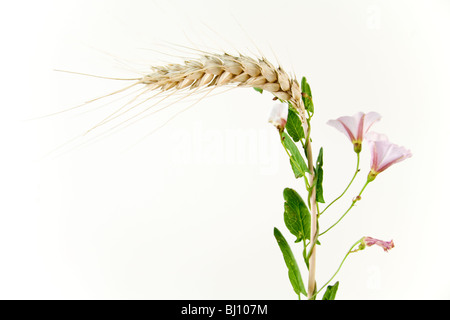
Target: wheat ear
215,70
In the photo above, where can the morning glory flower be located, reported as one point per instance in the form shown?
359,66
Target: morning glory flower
355,127
384,154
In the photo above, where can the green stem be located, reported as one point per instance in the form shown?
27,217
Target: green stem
313,241
304,253
356,199
340,266
348,186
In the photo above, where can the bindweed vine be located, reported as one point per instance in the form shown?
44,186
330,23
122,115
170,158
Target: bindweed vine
301,217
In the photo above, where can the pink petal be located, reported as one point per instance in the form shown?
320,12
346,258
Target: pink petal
348,125
394,155
369,119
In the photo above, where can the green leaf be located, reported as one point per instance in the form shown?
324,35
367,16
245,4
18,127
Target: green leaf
298,164
330,294
258,90
293,270
294,126
307,96
296,215
295,168
318,177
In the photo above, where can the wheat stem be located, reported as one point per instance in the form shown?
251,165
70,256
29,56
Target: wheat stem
313,206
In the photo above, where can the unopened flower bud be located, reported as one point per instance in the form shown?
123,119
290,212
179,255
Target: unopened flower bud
368,241
278,116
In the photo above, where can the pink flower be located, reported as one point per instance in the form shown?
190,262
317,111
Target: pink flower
355,127
384,154
368,241
278,116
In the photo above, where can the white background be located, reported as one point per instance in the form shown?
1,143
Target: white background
188,212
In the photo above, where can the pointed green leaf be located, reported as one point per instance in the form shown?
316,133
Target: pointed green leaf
307,96
294,126
298,164
258,90
296,169
296,215
318,177
330,294
294,272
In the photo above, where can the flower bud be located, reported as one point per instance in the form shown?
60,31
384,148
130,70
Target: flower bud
368,241
278,116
